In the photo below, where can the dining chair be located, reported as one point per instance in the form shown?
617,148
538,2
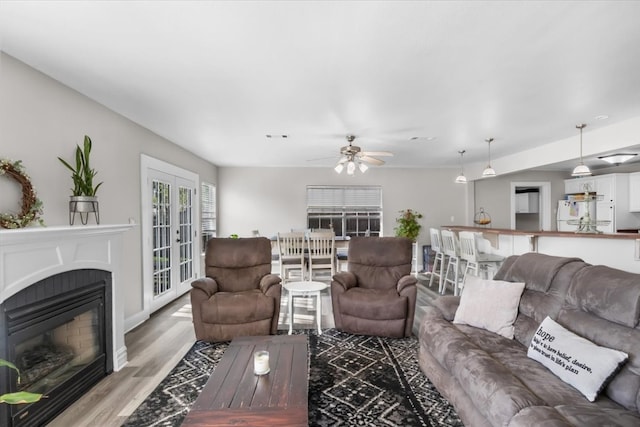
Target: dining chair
452,251
291,246
437,270
321,253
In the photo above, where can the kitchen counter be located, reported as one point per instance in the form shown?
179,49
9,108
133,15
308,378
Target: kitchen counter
617,250
496,231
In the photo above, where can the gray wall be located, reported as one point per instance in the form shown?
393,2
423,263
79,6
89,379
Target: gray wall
494,194
41,119
274,199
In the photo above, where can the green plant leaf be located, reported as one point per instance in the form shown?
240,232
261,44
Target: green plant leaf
20,397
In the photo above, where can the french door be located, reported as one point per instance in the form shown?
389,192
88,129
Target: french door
170,233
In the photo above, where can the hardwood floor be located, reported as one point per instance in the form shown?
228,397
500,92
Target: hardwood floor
157,345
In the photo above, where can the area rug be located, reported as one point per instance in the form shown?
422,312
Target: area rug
354,380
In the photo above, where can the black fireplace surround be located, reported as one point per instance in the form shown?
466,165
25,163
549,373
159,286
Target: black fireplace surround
59,333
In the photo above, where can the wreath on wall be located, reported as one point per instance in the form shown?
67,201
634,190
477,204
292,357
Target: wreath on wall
31,207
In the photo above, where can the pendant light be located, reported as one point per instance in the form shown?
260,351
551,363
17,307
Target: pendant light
581,169
461,179
488,171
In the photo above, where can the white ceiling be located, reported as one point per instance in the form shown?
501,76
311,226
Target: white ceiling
216,77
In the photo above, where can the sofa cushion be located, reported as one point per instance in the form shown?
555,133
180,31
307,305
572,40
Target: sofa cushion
618,301
536,270
489,304
589,415
576,360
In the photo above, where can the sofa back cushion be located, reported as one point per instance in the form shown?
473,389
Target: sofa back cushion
238,264
603,305
547,279
379,262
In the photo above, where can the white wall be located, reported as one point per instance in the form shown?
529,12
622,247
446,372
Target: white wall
41,119
274,199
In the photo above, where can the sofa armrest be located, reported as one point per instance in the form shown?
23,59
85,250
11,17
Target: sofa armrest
208,285
345,279
268,281
405,282
448,305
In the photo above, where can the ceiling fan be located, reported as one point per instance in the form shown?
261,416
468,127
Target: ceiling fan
353,157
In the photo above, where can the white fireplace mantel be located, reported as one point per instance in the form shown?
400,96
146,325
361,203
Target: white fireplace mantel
28,255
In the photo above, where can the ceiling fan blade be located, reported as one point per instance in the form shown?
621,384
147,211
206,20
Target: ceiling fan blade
377,153
372,160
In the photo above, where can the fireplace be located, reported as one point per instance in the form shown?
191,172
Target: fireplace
61,312
58,333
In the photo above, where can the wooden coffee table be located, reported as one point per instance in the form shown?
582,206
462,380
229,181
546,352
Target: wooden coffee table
234,395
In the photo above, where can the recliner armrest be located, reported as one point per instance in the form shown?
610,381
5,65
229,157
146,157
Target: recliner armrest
268,281
346,279
208,285
405,282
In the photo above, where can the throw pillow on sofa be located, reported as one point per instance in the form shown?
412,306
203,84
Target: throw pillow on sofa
489,304
575,360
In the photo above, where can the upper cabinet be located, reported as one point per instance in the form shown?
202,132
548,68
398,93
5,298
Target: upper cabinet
611,187
615,189
634,192
527,202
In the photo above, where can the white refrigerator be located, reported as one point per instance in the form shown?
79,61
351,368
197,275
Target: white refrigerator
574,210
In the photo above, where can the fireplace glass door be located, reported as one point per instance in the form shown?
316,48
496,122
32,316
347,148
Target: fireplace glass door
57,354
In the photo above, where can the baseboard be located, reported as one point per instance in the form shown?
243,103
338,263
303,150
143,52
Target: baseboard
137,319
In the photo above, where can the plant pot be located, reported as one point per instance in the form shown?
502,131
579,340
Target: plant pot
83,205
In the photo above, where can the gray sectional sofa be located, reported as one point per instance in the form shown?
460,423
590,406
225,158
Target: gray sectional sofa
489,378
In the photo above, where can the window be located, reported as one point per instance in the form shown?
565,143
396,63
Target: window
208,215
348,210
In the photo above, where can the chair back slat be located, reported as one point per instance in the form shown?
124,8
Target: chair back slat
436,244
449,246
467,245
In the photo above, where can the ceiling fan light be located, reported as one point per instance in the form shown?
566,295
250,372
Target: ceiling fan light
461,179
363,168
339,167
351,168
488,172
581,170
617,158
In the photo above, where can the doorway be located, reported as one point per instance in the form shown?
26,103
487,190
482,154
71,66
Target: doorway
169,207
531,206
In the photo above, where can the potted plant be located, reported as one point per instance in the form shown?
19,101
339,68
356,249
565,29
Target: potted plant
20,396
408,225
83,198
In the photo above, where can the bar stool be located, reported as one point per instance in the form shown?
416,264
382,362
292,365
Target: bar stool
437,270
450,249
476,262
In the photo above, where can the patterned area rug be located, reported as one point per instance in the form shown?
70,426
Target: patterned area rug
353,381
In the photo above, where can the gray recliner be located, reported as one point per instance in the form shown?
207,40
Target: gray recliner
377,296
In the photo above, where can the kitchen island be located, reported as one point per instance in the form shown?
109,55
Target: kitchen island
617,250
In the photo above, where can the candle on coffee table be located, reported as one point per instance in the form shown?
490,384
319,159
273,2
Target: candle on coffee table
261,362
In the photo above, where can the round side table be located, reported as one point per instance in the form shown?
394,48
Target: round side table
302,289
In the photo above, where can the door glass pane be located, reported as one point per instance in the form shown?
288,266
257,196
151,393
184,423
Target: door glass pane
161,201
185,217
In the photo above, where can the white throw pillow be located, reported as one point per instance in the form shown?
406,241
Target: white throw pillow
490,305
574,359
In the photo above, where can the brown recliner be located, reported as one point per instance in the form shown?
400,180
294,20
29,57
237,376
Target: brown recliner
239,295
377,296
